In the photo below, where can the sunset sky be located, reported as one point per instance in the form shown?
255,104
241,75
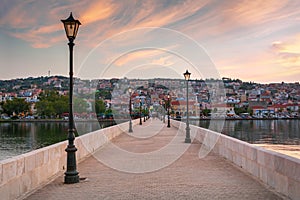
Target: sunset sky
257,40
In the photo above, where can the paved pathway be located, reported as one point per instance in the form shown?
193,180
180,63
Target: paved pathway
188,177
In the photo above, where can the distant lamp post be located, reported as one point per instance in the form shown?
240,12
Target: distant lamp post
164,111
168,105
144,113
141,112
187,75
130,110
71,175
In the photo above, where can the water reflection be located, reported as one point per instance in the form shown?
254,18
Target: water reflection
261,131
20,137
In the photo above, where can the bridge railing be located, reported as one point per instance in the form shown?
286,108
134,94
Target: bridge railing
24,173
281,172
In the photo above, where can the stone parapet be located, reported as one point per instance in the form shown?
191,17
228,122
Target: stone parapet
22,174
281,172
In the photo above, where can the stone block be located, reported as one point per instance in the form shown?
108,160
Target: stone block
248,165
281,183
244,160
46,155
41,175
240,148
9,170
261,157
34,178
30,161
270,178
54,153
263,175
238,159
11,190
255,169
292,168
62,164
229,154
279,164
293,189
216,149
269,158
250,152
234,146
25,183
53,167
20,165
4,191
39,158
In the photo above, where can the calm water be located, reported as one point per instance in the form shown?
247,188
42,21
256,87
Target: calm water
20,137
261,131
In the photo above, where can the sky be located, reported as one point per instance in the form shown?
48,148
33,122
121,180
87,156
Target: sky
250,40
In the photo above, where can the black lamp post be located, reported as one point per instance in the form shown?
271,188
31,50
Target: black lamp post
144,113
130,110
71,175
187,75
148,111
164,111
168,111
140,112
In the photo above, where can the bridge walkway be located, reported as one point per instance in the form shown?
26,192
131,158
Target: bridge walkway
143,175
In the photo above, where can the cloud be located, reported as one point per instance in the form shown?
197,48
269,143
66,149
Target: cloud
96,11
128,15
137,56
287,53
163,61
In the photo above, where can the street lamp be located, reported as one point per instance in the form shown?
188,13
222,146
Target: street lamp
140,112
187,75
144,113
164,111
130,111
168,111
71,175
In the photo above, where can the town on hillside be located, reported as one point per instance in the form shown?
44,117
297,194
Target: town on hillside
47,97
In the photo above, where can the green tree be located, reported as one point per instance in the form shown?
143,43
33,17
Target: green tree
80,105
16,106
206,111
45,108
100,106
240,110
52,104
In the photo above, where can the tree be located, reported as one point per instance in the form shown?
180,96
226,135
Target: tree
238,110
52,104
45,108
80,105
206,111
16,106
100,106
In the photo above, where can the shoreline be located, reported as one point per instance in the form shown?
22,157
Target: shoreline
110,120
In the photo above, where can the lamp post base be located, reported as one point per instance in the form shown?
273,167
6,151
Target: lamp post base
71,174
130,127
187,140
187,135
71,177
